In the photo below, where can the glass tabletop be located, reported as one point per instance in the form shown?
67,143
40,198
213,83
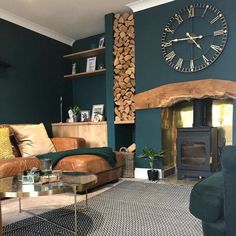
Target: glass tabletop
13,187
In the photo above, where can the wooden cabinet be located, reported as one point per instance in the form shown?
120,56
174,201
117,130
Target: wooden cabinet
95,133
87,53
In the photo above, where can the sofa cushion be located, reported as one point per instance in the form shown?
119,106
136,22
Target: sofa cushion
5,144
32,140
88,163
207,198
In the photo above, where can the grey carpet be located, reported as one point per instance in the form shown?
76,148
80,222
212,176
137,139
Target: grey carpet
130,208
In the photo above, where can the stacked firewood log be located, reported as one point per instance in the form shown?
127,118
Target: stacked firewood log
124,67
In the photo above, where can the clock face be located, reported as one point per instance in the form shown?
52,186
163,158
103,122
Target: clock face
194,37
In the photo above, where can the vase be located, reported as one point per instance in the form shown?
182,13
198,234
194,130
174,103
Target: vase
153,175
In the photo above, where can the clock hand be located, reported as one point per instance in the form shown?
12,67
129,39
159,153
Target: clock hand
193,40
186,39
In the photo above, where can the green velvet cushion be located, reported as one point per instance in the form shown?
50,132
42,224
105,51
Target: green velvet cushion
207,198
214,229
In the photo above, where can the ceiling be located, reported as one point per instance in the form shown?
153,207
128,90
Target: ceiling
64,20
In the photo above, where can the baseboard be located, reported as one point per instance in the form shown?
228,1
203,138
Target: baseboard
141,173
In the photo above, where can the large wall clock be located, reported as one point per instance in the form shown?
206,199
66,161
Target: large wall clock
194,37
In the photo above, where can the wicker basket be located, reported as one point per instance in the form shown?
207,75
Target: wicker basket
128,169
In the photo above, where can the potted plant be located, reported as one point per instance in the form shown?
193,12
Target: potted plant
76,110
152,155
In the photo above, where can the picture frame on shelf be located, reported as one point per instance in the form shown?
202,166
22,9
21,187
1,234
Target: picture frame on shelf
101,42
85,116
91,64
97,113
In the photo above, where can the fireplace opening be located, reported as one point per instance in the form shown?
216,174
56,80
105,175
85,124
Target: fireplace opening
197,151
193,134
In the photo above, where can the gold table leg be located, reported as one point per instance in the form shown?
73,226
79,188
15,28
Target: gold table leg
1,233
20,204
75,205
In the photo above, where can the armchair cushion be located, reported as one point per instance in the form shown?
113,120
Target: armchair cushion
32,139
207,198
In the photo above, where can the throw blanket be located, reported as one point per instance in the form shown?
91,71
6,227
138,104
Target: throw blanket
105,152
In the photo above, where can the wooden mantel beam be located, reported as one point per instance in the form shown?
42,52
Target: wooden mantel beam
169,94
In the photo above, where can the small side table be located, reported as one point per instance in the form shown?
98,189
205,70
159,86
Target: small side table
80,181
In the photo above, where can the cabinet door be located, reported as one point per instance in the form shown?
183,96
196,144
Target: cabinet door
95,134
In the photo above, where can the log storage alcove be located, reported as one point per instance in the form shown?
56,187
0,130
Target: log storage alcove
124,64
170,94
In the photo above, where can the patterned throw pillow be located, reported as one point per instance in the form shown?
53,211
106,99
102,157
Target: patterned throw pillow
5,144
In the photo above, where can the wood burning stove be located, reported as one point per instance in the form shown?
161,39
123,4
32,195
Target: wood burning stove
197,147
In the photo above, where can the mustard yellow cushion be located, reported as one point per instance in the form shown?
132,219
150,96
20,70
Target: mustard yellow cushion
32,140
5,144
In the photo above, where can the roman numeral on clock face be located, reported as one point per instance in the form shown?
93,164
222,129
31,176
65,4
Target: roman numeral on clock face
205,59
205,11
166,44
169,30
179,63
219,32
191,65
216,18
216,48
178,18
170,56
190,11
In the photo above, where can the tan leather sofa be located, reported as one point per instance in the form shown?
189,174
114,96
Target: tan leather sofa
85,163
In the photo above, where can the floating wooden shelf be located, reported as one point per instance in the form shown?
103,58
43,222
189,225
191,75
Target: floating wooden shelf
87,53
124,122
86,74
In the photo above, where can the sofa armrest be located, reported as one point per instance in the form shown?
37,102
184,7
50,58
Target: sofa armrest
228,159
67,143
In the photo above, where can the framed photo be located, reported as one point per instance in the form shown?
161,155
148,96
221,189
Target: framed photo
101,42
91,64
97,112
85,116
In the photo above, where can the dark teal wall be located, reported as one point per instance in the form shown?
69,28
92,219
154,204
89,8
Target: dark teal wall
152,70
88,91
31,88
111,131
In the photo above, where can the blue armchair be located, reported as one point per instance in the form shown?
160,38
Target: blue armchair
213,200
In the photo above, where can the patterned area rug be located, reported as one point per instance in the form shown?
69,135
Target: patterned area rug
131,208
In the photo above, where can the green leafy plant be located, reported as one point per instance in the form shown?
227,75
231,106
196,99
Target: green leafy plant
151,155
75,109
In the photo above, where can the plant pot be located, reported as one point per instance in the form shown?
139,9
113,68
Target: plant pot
153,175
75,118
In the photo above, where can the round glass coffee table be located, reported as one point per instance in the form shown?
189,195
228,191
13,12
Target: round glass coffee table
13,187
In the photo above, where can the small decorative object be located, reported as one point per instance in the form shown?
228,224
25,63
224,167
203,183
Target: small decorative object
97,112
46,166
101,42
70,113
76,110
31,176
85,115
91,64
100,66
151,155
73,68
